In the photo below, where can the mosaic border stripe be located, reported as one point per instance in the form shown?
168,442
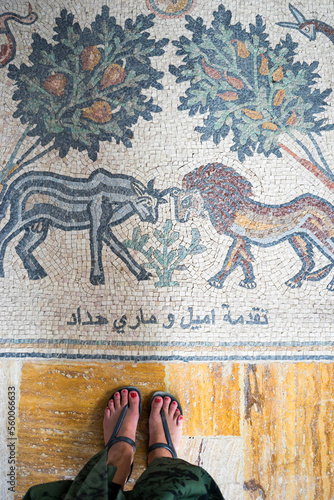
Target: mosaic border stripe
143,343
117,357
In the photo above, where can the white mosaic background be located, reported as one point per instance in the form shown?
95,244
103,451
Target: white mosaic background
166,149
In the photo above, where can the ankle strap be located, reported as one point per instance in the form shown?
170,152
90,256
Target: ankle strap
114,440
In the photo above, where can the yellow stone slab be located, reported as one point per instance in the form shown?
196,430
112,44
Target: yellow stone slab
210,397
61,410
288,431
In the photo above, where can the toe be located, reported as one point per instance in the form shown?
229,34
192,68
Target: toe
133,399
179,420
117,400
166,404
124,397
111,406
173,408
156,405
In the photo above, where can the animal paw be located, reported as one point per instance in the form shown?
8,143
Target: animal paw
97,280
144,275
215,282
248,283
293,284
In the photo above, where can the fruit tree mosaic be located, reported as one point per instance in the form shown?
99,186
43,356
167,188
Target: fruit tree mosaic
167,182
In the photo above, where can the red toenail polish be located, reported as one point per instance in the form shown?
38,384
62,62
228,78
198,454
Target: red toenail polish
133,394
180,417
124,390
174,403
157,400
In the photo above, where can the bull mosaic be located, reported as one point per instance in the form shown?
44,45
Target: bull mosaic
39,200
222,194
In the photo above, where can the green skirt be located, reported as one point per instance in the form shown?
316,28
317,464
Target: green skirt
165,478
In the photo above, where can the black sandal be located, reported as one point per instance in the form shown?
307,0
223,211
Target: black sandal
116,439
169,446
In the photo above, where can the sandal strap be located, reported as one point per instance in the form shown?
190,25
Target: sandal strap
167,434
119,422
117,439
163,445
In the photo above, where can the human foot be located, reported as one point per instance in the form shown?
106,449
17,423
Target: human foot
157,434
121,452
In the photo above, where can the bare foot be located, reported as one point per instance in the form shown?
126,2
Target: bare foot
121,453
156,430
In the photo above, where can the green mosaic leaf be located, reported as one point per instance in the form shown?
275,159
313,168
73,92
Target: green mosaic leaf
91,79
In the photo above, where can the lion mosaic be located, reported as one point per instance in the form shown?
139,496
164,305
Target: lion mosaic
224,195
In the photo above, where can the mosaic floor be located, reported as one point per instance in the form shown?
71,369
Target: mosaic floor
161,200
167,219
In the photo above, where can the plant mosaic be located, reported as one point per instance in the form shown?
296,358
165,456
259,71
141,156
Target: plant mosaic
165,261
165,177
249,88
86,88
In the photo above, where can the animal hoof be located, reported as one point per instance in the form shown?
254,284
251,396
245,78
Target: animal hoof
247,284
215,283
97,280
144,275
293,284
37,275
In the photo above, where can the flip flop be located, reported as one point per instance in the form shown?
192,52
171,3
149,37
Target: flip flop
116,439
169,446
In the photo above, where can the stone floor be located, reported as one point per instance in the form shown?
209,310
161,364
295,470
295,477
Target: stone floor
262,431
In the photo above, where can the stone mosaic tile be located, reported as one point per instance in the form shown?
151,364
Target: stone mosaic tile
176,191
288,435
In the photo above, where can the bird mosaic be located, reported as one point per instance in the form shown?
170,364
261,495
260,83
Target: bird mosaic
308,27
8,49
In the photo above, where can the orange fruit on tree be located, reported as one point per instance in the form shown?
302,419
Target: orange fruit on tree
90,57
113,75
279,96
99,112
55,84
264,70
278,74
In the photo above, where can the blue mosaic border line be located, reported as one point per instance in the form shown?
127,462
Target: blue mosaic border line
166,343
116,357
